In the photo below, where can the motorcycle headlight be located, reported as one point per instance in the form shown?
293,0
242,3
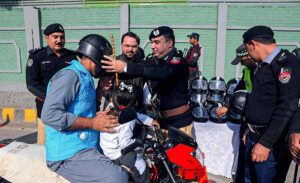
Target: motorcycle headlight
199,156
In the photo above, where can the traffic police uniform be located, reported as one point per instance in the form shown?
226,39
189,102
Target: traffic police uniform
42,64
270,105
168,84
248,73
245,83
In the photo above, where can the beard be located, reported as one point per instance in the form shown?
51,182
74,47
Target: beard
129,54
251,64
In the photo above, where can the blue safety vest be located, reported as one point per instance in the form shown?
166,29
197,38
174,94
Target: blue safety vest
64,145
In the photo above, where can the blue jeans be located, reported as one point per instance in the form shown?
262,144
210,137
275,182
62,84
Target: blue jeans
274,169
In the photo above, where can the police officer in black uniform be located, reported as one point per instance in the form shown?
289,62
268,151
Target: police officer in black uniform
270,106
192,57
42,64
168,73
194,52
294,127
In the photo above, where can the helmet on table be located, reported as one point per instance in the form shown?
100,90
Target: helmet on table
237,105
216,90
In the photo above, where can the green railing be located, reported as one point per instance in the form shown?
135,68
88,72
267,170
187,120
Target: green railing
133,2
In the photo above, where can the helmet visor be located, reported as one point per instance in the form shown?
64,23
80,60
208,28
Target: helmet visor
200,85
198,98
217,98
200,112
230,89
217,85
235,116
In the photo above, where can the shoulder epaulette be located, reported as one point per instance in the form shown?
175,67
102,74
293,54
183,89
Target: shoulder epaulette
150,56
178,53
283,57
35,50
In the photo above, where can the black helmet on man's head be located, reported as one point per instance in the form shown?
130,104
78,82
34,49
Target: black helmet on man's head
94,47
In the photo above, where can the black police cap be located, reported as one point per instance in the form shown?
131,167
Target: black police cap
194,35
256,32
159,31
241,52
54,28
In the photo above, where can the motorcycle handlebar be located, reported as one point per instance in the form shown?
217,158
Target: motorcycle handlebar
154,128
138,142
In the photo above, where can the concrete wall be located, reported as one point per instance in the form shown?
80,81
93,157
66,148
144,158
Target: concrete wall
12,31
220,27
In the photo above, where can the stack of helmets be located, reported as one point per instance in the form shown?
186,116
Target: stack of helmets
237,103
198,99
195,75
215,98
231,85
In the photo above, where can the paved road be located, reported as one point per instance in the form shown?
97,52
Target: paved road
26,132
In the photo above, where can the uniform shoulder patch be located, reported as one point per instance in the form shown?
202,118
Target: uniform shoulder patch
29,62
35,50
285,75
175,60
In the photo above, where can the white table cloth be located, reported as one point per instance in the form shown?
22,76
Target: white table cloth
220,144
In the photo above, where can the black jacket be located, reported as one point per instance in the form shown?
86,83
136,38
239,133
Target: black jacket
169,80
192,56
42,64
274,97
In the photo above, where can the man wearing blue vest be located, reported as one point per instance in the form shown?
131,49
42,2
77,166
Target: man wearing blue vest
72,126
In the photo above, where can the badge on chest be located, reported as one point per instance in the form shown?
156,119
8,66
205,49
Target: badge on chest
285,75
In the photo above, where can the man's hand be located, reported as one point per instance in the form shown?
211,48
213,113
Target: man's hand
113,65
103,122
155,123
294,145
260,153
221,111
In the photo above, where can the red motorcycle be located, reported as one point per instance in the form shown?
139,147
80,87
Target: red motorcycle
172,158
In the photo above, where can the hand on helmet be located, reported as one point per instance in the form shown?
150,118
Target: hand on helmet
113,65
221,111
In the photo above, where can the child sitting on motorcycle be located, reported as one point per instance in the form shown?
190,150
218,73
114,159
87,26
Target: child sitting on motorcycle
125,95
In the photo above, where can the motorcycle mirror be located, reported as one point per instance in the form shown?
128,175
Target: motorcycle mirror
127,114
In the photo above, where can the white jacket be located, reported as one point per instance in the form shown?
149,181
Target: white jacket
113,143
